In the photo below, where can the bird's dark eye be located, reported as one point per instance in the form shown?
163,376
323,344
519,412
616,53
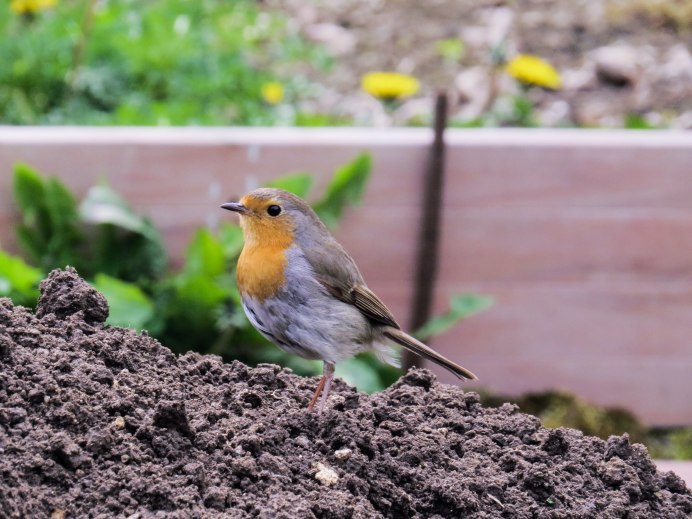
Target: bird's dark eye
274,210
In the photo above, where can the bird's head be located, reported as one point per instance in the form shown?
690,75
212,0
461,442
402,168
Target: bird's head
273,216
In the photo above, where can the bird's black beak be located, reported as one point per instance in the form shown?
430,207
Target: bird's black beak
235,206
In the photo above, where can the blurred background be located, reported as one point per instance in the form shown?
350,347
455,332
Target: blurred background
562,270
608,63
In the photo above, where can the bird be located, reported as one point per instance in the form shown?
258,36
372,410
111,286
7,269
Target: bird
302,291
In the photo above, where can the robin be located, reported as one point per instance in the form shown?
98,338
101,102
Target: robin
303,292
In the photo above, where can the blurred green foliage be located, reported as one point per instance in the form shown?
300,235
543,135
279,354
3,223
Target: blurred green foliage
102,235
451,49
196,307
48,231
161,62
175,62
461,306
128,305
634,121
18,280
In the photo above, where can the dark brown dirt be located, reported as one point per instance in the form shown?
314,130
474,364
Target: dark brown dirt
102,422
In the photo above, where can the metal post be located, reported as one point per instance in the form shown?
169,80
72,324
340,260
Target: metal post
429,230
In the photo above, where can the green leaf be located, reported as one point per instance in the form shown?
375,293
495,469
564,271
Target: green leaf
193,302
361,373
681,443
61,206
299,183
346,187
192,308
28,187
204,255
30,193
30,243
461,306
200,292
125,244
102,205
49,229
18,280
231,238
128,305
126,255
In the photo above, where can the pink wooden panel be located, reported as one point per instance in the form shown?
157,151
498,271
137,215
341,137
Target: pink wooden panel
580,173
571,243
587,249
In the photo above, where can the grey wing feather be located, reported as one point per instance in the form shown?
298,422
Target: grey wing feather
338,273
371,305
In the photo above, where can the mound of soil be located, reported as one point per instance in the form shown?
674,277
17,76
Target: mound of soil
98,421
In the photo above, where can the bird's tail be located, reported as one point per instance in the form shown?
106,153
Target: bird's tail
421,349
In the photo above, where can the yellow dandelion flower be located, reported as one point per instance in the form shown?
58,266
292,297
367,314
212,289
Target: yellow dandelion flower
31,6
532,70
273,92
389,85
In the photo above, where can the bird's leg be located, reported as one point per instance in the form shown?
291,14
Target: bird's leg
328,376
323,387
317,393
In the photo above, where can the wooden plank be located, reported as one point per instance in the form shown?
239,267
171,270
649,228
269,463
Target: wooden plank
588,254
540,175
561,244
622,345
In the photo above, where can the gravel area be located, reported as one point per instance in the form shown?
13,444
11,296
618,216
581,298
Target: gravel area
98,421
617,58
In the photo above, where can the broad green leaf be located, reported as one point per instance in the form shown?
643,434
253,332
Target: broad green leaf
49,229
126,255
62,226
204,255
61,205
125,244
681,443
192,309
231,238
128,305
18,280
461,306
361,373
102,205
201,292
32,245
346,187
30,194
28,187
299,183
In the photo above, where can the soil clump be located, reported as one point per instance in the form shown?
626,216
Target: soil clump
98,421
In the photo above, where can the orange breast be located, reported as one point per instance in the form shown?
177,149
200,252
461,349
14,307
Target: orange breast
261,271
262,263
